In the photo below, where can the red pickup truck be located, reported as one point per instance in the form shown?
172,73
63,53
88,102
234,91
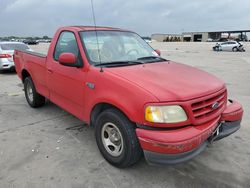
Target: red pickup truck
138,102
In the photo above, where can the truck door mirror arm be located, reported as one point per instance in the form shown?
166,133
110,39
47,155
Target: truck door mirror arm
158,52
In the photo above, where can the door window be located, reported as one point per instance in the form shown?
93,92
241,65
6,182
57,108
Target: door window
67,43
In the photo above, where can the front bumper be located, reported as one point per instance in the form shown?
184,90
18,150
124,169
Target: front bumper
182,144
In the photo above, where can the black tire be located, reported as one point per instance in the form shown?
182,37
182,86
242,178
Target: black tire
35,100
235,49
216,49
131,151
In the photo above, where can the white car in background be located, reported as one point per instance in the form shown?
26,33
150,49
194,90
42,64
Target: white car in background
6,54
229,46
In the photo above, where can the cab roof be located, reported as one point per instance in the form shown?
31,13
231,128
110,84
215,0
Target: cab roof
92,28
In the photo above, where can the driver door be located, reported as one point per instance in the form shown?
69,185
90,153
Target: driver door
66,83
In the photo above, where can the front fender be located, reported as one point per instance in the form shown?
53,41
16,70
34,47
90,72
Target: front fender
114,90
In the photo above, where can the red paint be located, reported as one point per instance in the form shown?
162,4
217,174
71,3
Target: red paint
67,58
158,52
187,138
131,89
233,112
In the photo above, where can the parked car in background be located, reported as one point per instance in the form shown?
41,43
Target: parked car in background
44,41
229,46
30,41
6,54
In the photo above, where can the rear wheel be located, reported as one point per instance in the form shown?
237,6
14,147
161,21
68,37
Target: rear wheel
235,49
116,138
33,98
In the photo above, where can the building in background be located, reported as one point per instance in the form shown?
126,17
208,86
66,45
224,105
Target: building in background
240,35
166,37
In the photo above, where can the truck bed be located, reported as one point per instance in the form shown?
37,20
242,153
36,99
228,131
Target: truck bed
33,53
32,62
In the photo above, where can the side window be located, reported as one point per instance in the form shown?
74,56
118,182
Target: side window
67,43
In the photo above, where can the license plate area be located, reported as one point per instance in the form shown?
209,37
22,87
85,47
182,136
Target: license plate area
215,133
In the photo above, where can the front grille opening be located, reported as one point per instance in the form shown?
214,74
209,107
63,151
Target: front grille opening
204,108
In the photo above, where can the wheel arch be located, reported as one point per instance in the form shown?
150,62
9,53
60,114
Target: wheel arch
100,107
25,74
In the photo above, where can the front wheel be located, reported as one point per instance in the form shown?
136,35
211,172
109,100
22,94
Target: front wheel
235,49
33,98
116,138
216,48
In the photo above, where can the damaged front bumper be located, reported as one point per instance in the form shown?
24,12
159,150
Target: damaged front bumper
180,145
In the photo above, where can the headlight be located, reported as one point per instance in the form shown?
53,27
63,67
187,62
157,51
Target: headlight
165,114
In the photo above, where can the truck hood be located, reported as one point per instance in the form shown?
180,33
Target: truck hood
170,81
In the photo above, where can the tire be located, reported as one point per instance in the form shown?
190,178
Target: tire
234,49
216,49
111,123
33,98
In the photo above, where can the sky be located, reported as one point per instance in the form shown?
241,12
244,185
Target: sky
43,17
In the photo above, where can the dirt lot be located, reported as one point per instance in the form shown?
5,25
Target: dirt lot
48,147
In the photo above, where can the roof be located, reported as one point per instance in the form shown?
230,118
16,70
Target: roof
154,34
91,28
225,31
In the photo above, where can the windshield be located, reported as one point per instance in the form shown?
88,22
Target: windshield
14,46
115,46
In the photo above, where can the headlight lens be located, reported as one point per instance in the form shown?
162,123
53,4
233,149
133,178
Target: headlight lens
165,114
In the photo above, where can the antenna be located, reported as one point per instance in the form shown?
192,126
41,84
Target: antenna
98,48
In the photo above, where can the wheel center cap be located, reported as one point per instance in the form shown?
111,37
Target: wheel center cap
114,137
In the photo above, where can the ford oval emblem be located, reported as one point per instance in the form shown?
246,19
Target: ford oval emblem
215,105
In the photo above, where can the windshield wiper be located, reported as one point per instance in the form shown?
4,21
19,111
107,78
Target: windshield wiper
152,58
119,63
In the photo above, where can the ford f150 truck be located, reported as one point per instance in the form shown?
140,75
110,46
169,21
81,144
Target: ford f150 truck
138,102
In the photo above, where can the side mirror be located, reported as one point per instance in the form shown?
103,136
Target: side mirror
158,52
67,59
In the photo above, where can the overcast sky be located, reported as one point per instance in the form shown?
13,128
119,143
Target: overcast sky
43,17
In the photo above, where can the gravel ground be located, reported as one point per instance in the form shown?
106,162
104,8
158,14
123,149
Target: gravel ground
48,147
